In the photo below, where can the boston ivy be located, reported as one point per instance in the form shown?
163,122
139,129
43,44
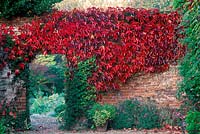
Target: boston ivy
124,42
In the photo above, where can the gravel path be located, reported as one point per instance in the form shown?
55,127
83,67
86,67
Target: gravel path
39,122
42,124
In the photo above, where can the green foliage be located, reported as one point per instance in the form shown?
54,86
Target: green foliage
60,112
58,80
190,66
22,121
44,105
101,117
133,113
126,114
193,122
100,114
170,116
48,60
2,127
163,5
38,85
11,8
149,116
50,79
12,119
79,95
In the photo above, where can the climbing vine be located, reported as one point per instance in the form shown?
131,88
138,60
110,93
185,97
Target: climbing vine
124,42
190,66
79,94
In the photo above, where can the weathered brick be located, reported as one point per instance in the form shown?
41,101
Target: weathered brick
160,87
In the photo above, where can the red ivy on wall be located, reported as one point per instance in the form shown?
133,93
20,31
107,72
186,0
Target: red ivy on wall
123,41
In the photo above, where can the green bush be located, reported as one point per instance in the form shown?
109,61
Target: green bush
60,111
126,115
79,95
148,117
100,114
141,115
11,8
44,105
193,122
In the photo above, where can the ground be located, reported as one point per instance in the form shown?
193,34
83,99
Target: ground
42,124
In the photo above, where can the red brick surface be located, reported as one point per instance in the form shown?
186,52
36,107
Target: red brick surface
160,87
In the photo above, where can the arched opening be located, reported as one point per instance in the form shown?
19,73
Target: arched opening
46,91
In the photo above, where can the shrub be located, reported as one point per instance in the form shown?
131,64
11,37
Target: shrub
100,114
133,113
170,116
79,95
59,112
148,117
193,122
126,115
101,117
44,105
11,8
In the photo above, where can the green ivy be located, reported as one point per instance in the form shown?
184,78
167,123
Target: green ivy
79,95
190,66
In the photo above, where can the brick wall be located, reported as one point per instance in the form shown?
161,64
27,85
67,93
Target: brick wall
160,87
14,95
11,92
7,91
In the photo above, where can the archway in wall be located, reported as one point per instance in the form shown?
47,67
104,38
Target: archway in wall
46,92
121,42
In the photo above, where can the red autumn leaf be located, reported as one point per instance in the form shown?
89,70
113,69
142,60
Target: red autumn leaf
17,72
22,66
